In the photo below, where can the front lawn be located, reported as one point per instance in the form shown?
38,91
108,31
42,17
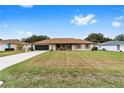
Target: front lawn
67,69
6,53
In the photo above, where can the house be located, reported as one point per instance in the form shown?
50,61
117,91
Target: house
63,44
111,46
13,44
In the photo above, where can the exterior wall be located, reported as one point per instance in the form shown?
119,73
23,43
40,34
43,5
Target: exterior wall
122,48
109,48
4,46
33,47
83,47
26,47
73,47
91,46
13,46
52,47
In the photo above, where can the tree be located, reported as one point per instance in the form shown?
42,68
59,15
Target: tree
107,39
97,37
35,38
119,37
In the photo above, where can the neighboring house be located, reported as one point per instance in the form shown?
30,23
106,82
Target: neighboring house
111,46
63,44
13,44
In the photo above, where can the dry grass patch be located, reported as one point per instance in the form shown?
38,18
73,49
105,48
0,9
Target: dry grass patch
67,69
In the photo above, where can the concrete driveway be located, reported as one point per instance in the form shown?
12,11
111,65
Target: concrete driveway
17,58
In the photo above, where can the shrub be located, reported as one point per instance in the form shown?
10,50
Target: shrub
9,49
94,48
104,49
31,49
51,50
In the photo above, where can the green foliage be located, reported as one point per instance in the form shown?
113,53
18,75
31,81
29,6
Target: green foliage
97,37
94,48
107,39
35,38
119,37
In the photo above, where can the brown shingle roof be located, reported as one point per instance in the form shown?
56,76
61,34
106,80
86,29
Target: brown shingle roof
12,41
63,41
43,42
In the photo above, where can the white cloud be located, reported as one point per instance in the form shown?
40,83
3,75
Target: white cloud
5,25
81,20
119,18
93,21
29,33
21,32
118,21
121,9
26,6
116,24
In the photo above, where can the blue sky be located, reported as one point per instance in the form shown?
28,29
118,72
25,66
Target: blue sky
60,21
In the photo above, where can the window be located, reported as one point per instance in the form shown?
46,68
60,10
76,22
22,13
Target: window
87,46
78,46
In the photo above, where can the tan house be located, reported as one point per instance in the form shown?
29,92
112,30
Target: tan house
13,44
63,44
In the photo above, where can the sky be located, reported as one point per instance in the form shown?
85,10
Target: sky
21,21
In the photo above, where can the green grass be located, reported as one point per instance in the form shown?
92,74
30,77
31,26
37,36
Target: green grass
67,69
6,53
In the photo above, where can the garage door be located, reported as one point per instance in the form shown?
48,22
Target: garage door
41,47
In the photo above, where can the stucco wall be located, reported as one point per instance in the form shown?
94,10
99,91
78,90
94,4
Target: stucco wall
91,46
13,46
4,46
122,48
83,47
110,48
73,47
26,47
52,47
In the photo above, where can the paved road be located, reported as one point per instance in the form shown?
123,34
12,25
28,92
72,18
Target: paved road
17,58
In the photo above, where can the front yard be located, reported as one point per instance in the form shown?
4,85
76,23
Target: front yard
6,53
67,69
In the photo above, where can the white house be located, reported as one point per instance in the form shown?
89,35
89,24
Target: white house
13,44
111,46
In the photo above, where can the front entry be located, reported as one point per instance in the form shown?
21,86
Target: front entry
63,47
